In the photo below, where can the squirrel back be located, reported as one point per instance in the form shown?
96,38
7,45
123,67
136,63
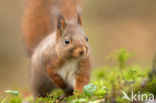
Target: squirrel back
39,19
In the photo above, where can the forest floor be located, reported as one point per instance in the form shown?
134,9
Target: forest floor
121,83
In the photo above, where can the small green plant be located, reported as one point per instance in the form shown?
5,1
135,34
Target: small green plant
14,97
89,89
12,92
121,55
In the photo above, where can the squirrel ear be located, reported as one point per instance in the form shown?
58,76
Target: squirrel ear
60,26
61,23
79,19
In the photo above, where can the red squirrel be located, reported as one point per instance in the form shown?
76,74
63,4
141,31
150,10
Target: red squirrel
58,47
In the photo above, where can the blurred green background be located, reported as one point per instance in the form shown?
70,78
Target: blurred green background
109,24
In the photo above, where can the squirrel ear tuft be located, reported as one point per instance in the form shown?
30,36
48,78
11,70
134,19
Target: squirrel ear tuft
61,23
79,19
60,26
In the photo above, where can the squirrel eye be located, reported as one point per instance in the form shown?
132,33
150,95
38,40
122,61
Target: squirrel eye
86,39
66,41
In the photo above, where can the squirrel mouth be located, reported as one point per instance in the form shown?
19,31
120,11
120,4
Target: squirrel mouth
81,54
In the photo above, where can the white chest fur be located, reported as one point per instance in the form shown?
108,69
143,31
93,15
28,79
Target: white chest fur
68,72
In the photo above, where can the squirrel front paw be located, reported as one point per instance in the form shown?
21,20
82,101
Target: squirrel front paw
68,91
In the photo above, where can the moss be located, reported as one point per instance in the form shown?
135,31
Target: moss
107,84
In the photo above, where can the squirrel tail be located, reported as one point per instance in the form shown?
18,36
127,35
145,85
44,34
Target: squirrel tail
39,19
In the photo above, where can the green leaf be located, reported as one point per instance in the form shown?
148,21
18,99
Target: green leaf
11,92
89,89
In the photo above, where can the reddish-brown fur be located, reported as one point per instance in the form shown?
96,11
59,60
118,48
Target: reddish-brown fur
39,22
83,75
51,70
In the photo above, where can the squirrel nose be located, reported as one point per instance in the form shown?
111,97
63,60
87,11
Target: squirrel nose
81,53
78,52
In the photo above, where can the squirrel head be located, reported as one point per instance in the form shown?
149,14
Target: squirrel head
71,39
